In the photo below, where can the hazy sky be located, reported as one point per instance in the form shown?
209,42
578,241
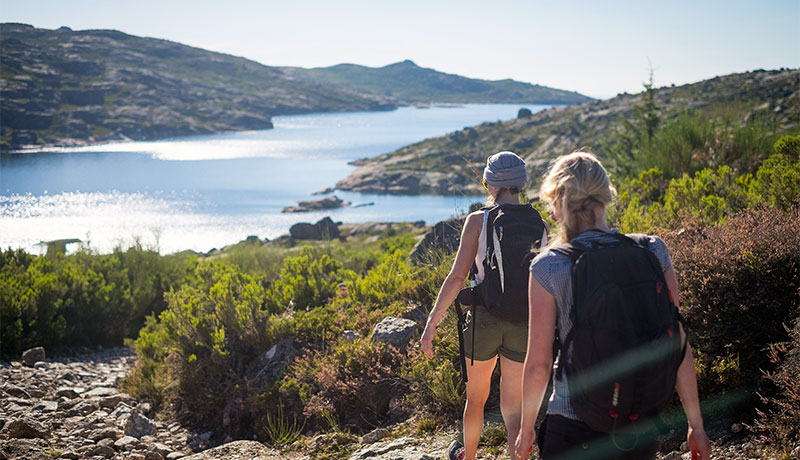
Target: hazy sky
599,48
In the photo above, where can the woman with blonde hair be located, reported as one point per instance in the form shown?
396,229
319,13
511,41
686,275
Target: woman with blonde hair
576,191
487,335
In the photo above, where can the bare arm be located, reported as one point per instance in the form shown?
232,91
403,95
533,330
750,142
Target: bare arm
538,361
467,249
686,386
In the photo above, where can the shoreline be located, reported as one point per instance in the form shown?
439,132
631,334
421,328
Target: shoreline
77,143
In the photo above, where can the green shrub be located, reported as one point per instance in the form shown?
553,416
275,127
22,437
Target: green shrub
82,299
788,145
307,280
777,181
263,261
388,281
650,202
684,144
198,351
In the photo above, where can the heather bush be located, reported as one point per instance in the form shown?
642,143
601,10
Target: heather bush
350,385
779,424
740,284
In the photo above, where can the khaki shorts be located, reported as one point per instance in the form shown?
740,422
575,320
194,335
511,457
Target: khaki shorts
495,336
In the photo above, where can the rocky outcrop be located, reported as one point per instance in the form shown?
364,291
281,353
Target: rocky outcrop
331,202
378,178
406,448
453,163
323,229
238,450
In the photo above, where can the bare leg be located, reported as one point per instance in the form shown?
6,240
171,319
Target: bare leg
479,380
511,400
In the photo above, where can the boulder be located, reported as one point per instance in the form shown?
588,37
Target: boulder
25,428
394,331
524,113
33,355
69,393
137,425
324,229
126,443
441,240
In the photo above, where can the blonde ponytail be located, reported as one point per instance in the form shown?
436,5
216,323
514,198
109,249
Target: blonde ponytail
575,185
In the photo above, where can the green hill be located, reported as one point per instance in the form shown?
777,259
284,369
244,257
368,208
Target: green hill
75,87
65,87
409,82
452,163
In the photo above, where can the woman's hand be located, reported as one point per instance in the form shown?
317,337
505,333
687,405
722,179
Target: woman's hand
524,444
698,444
426,342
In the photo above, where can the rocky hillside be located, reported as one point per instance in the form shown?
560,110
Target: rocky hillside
65,87
74,87
409,82
454,162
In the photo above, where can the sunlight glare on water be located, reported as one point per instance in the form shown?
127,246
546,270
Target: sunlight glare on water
204,192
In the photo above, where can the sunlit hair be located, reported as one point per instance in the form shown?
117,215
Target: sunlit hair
491,200
575,184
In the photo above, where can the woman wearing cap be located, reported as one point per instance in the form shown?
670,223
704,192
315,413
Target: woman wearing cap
504,177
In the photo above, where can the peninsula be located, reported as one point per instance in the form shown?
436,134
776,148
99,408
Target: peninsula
453,163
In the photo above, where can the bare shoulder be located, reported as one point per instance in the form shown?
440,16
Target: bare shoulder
473,223
474,218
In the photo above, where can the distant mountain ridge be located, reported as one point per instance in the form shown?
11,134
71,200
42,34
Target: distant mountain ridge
452,163
408,82
65,87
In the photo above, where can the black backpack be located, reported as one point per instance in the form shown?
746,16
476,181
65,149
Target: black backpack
625,339
512,232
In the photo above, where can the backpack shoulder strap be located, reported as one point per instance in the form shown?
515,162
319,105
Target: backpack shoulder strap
570,250
635,239
489,214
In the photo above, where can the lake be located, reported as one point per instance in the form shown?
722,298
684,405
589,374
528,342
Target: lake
204,192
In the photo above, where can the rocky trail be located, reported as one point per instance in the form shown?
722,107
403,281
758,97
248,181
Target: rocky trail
72,408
